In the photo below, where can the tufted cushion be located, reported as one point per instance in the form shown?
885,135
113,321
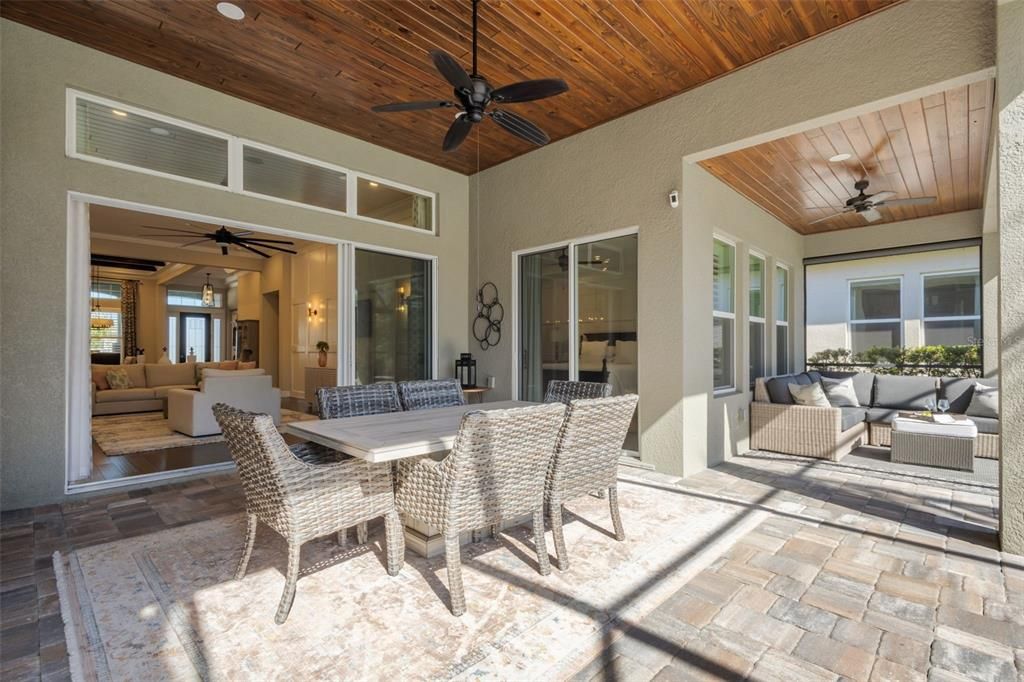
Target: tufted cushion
959,391
904,393
778,387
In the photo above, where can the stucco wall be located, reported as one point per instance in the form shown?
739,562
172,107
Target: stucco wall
37,176
619,174
1010,100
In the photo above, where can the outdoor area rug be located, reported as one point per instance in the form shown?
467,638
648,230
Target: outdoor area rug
125,434
165,606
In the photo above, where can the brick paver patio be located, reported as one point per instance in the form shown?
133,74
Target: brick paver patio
858,573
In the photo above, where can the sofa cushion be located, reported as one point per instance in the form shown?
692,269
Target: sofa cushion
169,375
984,402
813,375
137,373
852,416
959,391
228,364
116,395
904,393
863,384
99,377
986,425
210,372
881,415
840,392
778,387
161,391
811,395
117,378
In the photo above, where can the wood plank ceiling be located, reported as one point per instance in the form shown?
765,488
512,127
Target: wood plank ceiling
936,146
329,61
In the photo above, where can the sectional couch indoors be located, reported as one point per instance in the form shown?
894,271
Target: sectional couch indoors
150,385
778,424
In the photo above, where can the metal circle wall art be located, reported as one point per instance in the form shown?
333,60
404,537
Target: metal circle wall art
489,314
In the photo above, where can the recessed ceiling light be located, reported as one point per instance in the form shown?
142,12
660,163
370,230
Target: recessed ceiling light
162,132
374,184
231,10
840,157
118,112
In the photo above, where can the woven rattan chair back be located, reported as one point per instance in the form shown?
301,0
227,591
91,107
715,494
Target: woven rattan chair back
426,395
587,454
560,391
498,464
335,402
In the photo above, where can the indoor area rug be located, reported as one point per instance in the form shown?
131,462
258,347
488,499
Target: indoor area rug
125,434
165,606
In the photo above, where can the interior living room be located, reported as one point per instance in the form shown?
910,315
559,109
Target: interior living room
502,340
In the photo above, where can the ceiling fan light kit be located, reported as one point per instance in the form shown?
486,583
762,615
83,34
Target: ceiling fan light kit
867,205
473,95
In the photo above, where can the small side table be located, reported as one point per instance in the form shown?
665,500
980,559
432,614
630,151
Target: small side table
475,394
921,440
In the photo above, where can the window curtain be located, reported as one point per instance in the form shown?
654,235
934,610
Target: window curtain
129,317
421,212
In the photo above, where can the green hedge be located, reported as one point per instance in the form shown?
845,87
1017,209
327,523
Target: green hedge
962,361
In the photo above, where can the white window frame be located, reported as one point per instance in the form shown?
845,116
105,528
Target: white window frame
779,265
763,319
236,166
732,243
849,307
946,318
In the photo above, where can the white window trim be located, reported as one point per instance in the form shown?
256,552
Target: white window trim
946,318
719,237
77,402
236,166
784,322
754,319
850,321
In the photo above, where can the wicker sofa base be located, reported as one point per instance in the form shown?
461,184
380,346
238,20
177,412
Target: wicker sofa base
805,431
986,445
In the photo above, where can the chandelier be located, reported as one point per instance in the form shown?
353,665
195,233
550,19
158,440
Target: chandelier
208,298
96,319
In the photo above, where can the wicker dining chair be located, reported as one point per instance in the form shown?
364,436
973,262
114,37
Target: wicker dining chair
337,402
560,391
304,493
431,393
587,458
495,471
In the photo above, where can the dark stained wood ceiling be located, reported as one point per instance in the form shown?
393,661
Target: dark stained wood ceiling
936,146
329,61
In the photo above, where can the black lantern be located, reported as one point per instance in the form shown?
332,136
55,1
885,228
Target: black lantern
465,370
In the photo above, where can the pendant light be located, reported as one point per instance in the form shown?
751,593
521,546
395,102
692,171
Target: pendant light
96,319
208,299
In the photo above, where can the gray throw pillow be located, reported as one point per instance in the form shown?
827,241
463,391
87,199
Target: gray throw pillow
810,395
984,402
840,392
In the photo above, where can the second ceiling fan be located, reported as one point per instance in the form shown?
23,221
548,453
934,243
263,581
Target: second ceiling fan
473,95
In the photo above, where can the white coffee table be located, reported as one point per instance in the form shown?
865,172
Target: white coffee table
940,441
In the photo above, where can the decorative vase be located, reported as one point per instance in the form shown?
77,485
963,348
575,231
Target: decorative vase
321,358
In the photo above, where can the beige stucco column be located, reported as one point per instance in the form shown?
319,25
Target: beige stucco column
1010,101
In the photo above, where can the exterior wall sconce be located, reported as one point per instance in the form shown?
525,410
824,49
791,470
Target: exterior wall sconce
403,300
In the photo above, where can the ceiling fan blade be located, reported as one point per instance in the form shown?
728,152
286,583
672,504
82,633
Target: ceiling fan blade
456,133
244,233
268,246
451,70
828,217
520,127
261,239
172,229
413,106
249,248
198,241
527,91
915,201
879,197
871,215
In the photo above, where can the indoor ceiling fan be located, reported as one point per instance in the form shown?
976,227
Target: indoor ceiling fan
598,261
223,237
473,94
866,205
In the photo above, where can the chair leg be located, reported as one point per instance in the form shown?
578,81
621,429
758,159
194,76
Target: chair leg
454,563
250,540
343,537
394,537
556,531
361,533
288,596
543,561
613,504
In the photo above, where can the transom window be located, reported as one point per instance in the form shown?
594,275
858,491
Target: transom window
190,298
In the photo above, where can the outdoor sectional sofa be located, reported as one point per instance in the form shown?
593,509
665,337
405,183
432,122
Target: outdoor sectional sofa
779,425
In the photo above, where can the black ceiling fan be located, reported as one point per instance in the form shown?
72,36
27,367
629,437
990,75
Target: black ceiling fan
473,94
866,205
223,237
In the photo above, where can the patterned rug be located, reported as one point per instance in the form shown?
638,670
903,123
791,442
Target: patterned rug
164,606
125,434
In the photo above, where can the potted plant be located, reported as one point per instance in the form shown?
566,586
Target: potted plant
323,347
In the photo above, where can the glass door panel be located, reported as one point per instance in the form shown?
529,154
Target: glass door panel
606,312
392,317
194,336
544,330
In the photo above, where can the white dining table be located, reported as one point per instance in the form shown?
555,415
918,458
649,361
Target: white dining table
394,436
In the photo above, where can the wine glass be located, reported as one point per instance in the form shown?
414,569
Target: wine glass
943,405
929,405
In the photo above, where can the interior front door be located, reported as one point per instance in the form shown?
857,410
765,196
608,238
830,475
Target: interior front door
194,336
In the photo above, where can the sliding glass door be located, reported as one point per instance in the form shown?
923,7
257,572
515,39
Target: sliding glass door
578,318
